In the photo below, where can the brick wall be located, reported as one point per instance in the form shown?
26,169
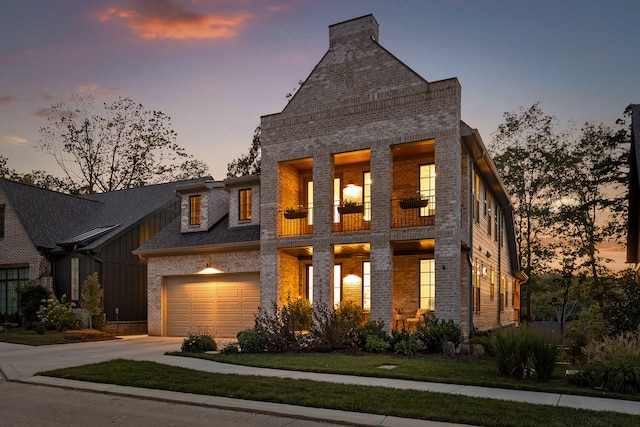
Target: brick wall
159,267
16,247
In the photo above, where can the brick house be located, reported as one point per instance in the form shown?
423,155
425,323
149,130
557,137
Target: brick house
372,190
58,240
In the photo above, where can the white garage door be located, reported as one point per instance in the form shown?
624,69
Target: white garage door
223,304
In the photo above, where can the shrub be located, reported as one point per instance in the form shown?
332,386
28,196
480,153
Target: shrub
521,351
512,352
250,341
229,349
336,329
404,342
30,298
614,362
544,355
59,314
198,344
484,341
375,344
371,328
301,314
434,333
39,329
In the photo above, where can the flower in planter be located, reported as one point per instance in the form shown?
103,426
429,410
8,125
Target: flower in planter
292,212
348,207
412,202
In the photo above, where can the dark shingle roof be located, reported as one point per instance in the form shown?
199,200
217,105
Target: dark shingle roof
47,216
171,237
53,218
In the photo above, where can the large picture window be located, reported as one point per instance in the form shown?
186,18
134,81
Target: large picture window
427,284
244,204
10,279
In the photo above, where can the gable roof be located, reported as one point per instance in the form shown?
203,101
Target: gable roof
55,220
47,216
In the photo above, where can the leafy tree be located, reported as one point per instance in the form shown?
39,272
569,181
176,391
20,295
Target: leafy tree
591,198
524,149
91,296
114,146
36,177
247,164
620,309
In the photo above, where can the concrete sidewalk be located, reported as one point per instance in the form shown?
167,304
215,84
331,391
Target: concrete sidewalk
21,363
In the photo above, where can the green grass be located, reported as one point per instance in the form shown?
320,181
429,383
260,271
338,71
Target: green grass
433,369
21,336
374,400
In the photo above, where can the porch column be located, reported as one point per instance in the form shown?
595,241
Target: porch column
382,282
323,173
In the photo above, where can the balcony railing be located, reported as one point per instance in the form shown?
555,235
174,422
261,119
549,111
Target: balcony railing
295,223
353,217
415,214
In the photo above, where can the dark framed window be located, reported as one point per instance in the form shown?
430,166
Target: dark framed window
244,204
10,279
195,211
1,221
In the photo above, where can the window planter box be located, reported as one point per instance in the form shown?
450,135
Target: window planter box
413,203
350,209
295,215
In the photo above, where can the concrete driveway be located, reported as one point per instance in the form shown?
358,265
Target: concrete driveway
19,362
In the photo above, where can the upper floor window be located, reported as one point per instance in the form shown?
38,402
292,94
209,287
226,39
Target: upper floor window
195,212
1,221
244,205
366,194
428,188
475,184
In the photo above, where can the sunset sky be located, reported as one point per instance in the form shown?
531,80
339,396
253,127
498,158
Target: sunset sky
216,66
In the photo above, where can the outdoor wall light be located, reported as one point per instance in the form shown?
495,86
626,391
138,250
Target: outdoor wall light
209,269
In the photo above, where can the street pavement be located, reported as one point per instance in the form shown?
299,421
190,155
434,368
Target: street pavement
22,363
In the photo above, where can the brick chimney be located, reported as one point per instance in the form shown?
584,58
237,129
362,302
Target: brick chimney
365,27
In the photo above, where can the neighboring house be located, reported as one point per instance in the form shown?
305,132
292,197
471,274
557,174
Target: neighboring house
362,133
633,232
58,240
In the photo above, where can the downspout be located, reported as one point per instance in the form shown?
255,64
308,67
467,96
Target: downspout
470,257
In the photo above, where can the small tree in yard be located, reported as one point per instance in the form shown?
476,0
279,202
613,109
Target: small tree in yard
91,297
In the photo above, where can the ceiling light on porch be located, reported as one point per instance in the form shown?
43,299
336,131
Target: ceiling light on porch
352,193
209,269
352,279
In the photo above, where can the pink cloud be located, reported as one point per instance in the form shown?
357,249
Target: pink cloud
14,140
161,19
15,56
7,100
95,88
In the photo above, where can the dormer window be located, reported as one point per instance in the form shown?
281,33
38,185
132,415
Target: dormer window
244,205
195,211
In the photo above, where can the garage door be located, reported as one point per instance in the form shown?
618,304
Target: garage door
224,304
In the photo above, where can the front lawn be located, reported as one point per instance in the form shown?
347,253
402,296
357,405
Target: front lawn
23,336
465,371
374,400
